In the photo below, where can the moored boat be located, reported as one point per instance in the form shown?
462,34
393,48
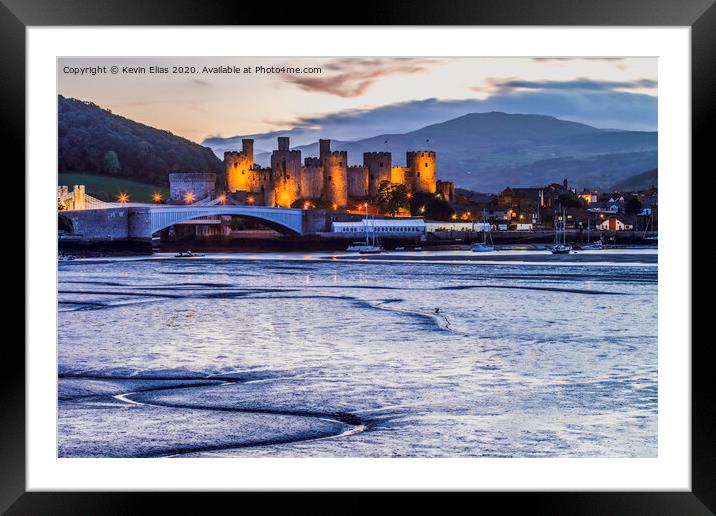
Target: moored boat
560,236
482,248
367,247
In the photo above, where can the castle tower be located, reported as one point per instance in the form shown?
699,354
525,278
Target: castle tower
79,199
239,167
247,147
421,165
379,165
358,181
324,148
286,172
335,171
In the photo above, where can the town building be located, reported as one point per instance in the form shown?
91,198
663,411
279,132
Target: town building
614,224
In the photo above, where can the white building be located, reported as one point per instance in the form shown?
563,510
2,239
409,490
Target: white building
432,226
382,226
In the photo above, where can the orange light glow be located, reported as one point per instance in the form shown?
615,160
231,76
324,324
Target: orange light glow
250,199
222,199
306,205
335,206
123,197
157,197
409,195
188,197
453,216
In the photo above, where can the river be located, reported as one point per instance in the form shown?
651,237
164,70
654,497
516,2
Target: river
328,355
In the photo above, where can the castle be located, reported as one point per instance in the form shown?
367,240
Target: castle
327,177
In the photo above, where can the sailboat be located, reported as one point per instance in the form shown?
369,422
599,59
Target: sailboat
592,246
483,247
650,224
367,247
560,237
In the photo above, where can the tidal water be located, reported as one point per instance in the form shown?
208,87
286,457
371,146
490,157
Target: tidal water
299,355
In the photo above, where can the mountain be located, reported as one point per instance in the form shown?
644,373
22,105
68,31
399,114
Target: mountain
92,139
490,151
642,181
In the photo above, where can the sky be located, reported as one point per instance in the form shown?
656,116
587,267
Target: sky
355,98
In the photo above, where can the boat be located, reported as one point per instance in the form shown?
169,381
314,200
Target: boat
560,238
561,249
371,249
367,247
483,247
187,254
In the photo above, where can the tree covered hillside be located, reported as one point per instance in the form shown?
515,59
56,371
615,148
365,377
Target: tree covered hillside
94,140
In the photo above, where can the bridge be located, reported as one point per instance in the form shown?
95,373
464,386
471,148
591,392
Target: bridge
135,221
164,216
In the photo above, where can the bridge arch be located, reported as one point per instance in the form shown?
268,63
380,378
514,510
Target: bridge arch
287,218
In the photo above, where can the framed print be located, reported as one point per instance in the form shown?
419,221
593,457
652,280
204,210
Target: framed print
399,253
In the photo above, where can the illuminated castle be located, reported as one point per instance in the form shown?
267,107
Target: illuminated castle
327,177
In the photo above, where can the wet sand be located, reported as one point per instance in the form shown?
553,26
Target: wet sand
579,257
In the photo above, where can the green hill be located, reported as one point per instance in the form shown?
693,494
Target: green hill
108,188
96,141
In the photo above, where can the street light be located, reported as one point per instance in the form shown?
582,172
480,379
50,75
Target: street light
157,197
222,199
250,199
123,197
189,197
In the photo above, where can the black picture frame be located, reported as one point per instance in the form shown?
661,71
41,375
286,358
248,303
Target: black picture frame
700,15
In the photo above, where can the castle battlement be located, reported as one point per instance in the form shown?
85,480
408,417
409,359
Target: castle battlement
234,153
312,162
293,154
376,155
421,154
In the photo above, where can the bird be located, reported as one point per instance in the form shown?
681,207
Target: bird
437,310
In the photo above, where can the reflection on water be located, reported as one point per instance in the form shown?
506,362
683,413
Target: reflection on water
424,358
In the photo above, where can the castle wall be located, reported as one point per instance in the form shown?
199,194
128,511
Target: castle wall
379,169
335,170
398,175
199,184
312,179
422,170
358,181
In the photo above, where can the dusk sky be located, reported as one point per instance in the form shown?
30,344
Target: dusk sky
354,98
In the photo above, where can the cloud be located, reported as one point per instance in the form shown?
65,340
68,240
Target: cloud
202,83
349,77
581,84
619,62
